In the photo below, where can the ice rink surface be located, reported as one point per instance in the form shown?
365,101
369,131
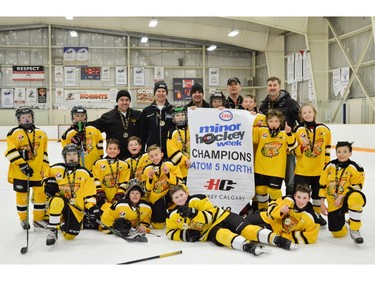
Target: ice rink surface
97,253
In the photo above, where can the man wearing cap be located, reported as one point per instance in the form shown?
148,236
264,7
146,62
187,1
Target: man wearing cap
120,123
156,119
234,100
197,93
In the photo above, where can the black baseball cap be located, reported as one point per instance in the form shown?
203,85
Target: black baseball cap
235,79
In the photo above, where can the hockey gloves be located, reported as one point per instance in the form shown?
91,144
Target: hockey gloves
101,198
50,186
26,169
190,235
24,154
92,215
187,212
78,138
117,197
123,226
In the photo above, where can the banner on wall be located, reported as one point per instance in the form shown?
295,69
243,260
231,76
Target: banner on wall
214,76
182,86
28,73
145,95
7,98
221,155
76,56
19,96
121,75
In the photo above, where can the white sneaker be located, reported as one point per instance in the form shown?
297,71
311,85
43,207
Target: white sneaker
356,236
40,224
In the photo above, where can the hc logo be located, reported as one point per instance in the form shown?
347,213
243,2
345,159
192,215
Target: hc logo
217,184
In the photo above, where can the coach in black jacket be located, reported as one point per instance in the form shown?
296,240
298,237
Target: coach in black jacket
120,123
156,119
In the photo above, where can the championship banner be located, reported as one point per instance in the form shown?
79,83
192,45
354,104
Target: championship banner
221,155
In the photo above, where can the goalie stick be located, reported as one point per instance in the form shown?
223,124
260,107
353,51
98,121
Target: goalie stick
136,238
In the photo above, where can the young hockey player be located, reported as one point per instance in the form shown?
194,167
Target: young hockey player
273,144
196,219
138,160
312,154
178,142
217,100
290,217
131,212
341,184
72,192
87,138
28,157
160,175
111,176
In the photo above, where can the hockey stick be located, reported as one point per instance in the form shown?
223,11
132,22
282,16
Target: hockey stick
24,249
114,231
80,130
154,257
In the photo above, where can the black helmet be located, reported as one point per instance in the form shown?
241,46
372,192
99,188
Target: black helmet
71,148
135,184
78,109
217,95
22,111
179,110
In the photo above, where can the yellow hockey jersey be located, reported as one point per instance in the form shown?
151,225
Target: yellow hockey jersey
159,185
111,176
137,165
77,186
140,214
178,148
271,152
92,145
339,178
312,158
298,225
207,217
36,143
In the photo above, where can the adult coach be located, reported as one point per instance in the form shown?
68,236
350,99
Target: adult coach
281,100
120,123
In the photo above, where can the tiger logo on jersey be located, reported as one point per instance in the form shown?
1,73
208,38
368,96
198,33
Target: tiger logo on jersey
317,149
271,149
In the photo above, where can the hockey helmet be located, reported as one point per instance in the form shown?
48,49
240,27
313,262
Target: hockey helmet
135,184
179,115
217,95
78,109
23,110
71,148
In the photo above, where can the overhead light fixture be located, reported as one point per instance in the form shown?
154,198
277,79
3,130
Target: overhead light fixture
144,39
233,33
69,17
73,33
211,48
153,22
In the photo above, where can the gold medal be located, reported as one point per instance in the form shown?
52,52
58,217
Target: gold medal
125,135
72,201
185,226
162,123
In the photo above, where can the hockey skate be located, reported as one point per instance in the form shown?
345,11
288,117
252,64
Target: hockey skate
25,225
284,243
40,224
52,236
356,236
320,220
255,249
